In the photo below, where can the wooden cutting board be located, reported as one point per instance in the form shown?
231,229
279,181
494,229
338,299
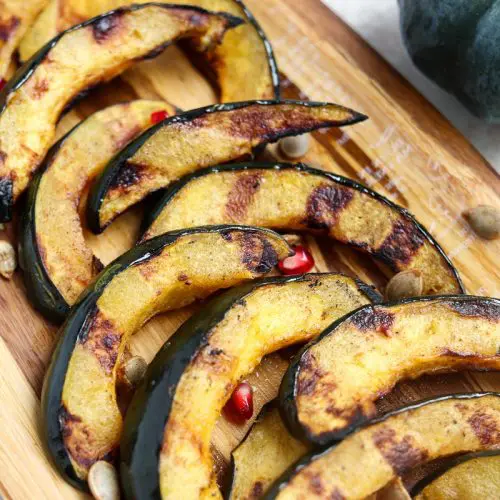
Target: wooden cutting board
407,151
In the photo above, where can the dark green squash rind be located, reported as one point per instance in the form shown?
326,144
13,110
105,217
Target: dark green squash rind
75,326
23,74
449,464
150,407
152,214
41,291
282,481
287,391
107,177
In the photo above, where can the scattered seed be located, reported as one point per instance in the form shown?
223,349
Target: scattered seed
134,370
8,261
485,221
103,481
295,147
405,284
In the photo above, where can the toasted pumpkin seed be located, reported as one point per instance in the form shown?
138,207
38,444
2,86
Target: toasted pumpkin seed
8,262
103,481
295,147
485,221
405,284
134,370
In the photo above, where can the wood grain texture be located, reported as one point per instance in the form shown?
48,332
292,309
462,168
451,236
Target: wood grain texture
407,151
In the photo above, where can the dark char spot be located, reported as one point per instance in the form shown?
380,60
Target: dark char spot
6,199
485,428
325,204
8,27
241,195
258,254
373,319
65,418
476,309
309,375
128,175
401,245
257,490
401,455
103,28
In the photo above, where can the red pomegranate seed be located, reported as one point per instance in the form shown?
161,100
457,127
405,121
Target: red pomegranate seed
300,263
3,81
158,116
240,405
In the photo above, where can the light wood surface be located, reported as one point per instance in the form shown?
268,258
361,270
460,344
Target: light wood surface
407,151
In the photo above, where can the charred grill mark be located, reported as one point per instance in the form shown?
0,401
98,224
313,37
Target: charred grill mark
249,123
476,309
128,175
325,204
103,341
337,495
401,245
309,376
97,265
39,88
402,455
259,256
372,319
257,490
104,28
241,195
485,428
8,27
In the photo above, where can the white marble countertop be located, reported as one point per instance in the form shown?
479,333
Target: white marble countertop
377,21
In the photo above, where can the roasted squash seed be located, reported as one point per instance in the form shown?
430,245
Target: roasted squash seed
295,147
485,221
103,481
134,370
405,284
8,261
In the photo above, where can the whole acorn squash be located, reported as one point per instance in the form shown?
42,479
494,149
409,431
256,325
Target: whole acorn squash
457,44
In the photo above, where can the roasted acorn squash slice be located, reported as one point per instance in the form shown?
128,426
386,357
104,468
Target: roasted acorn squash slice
296,197
176,408
244,63
15,19
369,459
473,476
264,454
333,383
200,138
75,60
58,264
82,422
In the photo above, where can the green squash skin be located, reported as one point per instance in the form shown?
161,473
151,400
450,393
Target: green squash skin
287,391
23,74
172,191
456,43
421,485
150,407
41,291
76,326
106,178
288,475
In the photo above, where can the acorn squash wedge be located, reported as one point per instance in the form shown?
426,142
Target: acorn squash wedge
243,63
296,197
264,454
331,386
476,475
57,263
77,59
82,421
165,449
200,138
369,459
15,19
